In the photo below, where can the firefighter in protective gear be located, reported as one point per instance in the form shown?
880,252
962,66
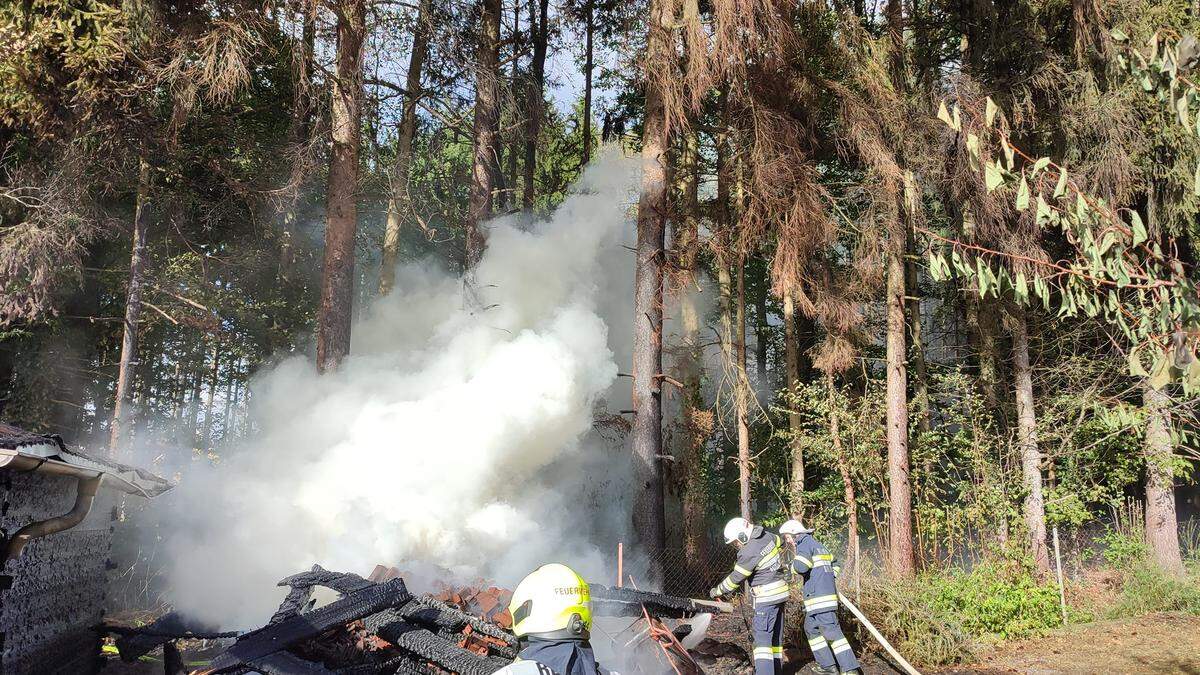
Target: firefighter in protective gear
815,564
552,615
760,565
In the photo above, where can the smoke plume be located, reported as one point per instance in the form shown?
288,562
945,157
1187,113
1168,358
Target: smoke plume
459,433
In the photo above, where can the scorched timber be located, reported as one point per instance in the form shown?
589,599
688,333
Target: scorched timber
299,597
393,627
277,637
432,611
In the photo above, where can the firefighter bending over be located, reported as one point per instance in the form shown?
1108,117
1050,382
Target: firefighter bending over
759,564
552,615
815,564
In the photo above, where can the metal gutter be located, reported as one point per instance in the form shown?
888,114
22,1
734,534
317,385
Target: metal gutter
85,494
87,480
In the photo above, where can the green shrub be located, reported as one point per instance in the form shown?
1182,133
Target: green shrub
1122,550
996,600
943,618
1146,589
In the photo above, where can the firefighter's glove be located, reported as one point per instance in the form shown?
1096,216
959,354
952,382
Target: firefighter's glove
714,592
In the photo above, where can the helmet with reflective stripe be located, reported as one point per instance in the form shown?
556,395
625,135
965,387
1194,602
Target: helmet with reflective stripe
794,527
737,529
553,602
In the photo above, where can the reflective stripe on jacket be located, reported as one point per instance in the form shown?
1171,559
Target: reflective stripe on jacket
760,564
815,564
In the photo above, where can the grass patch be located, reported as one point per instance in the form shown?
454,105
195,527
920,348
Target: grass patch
1146,589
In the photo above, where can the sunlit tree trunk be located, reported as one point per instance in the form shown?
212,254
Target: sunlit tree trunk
398,200
207,438
791,344
341,201
1031,459
485,130
901,560
133,314
742,395
917,346
1162,528
646,435
539,29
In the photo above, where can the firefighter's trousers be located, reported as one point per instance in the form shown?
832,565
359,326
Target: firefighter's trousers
827,642
768,639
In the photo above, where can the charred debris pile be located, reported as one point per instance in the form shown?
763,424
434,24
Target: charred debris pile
377,626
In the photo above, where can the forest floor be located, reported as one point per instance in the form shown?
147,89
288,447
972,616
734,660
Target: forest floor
1155,643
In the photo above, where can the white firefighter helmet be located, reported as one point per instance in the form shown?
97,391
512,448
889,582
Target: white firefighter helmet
794,527
552,602
737,529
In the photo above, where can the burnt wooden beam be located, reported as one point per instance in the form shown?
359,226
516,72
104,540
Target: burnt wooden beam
277,637
394,628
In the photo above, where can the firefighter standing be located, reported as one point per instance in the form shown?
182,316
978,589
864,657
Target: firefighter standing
552,615
814,563
760,565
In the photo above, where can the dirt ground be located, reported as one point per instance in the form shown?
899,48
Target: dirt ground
1157,643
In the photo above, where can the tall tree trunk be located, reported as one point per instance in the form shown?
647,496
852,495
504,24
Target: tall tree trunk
742,397
982,313
299,128
133,314
648,291
341,200
843,464
398,200
760,327
695,501
791,343
1162,528
901,561
920,369
539,32
486,129
1031,459
588,60
212,395
508,178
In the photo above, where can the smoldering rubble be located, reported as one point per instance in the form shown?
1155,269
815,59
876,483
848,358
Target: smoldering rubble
376,625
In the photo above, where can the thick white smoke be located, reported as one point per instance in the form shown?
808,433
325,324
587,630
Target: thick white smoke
459,432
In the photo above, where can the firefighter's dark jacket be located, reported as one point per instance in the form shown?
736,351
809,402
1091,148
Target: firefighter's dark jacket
564,657
815,564
760,564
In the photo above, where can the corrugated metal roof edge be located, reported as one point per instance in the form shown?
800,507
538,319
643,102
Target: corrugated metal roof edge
118,477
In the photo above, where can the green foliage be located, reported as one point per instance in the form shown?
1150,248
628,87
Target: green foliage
1114,270
997,599
1123,550
945,617
1146,589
